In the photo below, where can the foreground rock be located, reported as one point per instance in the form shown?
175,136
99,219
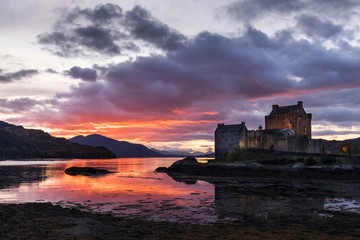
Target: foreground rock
86,171
44,221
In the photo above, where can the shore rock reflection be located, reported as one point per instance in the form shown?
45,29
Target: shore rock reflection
236,198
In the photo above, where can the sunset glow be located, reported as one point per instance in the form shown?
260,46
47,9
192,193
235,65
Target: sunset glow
164,75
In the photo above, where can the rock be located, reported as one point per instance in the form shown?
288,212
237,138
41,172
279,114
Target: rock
234,166
256,165
161,169
189,160
85,171
344,167
186,162
316,167
297,166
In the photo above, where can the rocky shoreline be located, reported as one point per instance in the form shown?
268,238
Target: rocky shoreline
45,221
190,166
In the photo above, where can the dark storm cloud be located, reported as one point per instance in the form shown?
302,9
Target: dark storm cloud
335,98
85,74
334,4
97,38
88,31
337,115
101,14
18,105
213,66
314,27
143,26
248,10
10,77
64,45
106,30
79,41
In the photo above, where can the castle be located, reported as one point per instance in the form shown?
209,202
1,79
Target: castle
287,128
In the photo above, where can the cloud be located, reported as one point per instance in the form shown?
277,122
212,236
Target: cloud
82,32
332,133
336,115
18,105
143,26
79,41
211,78
102,14
333,5
314,27
10,77
248,10
213,68
97,38
85,74
107,31
50,70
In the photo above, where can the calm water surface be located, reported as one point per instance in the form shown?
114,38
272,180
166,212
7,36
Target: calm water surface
135,190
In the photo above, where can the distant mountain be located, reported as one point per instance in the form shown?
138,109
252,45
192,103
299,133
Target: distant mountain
207,155
122,149
180,153
355,140
18,142
170,153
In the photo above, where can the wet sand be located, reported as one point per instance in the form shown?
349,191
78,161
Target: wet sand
45,221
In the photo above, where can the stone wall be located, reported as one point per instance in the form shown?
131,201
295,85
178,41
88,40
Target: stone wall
224,140
316,146
280,140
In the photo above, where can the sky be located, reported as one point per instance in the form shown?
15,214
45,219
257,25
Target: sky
163,73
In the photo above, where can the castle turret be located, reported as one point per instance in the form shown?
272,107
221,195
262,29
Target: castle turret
300,104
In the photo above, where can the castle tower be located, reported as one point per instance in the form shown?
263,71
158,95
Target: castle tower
290,117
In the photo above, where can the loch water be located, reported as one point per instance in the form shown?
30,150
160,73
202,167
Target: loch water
134,189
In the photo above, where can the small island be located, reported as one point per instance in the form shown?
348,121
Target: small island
284,149
86,171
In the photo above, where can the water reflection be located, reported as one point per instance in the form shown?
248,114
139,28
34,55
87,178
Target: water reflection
12,177
135,190
239,198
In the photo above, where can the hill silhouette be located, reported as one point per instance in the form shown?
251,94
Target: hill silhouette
18,142
334,146
122,149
